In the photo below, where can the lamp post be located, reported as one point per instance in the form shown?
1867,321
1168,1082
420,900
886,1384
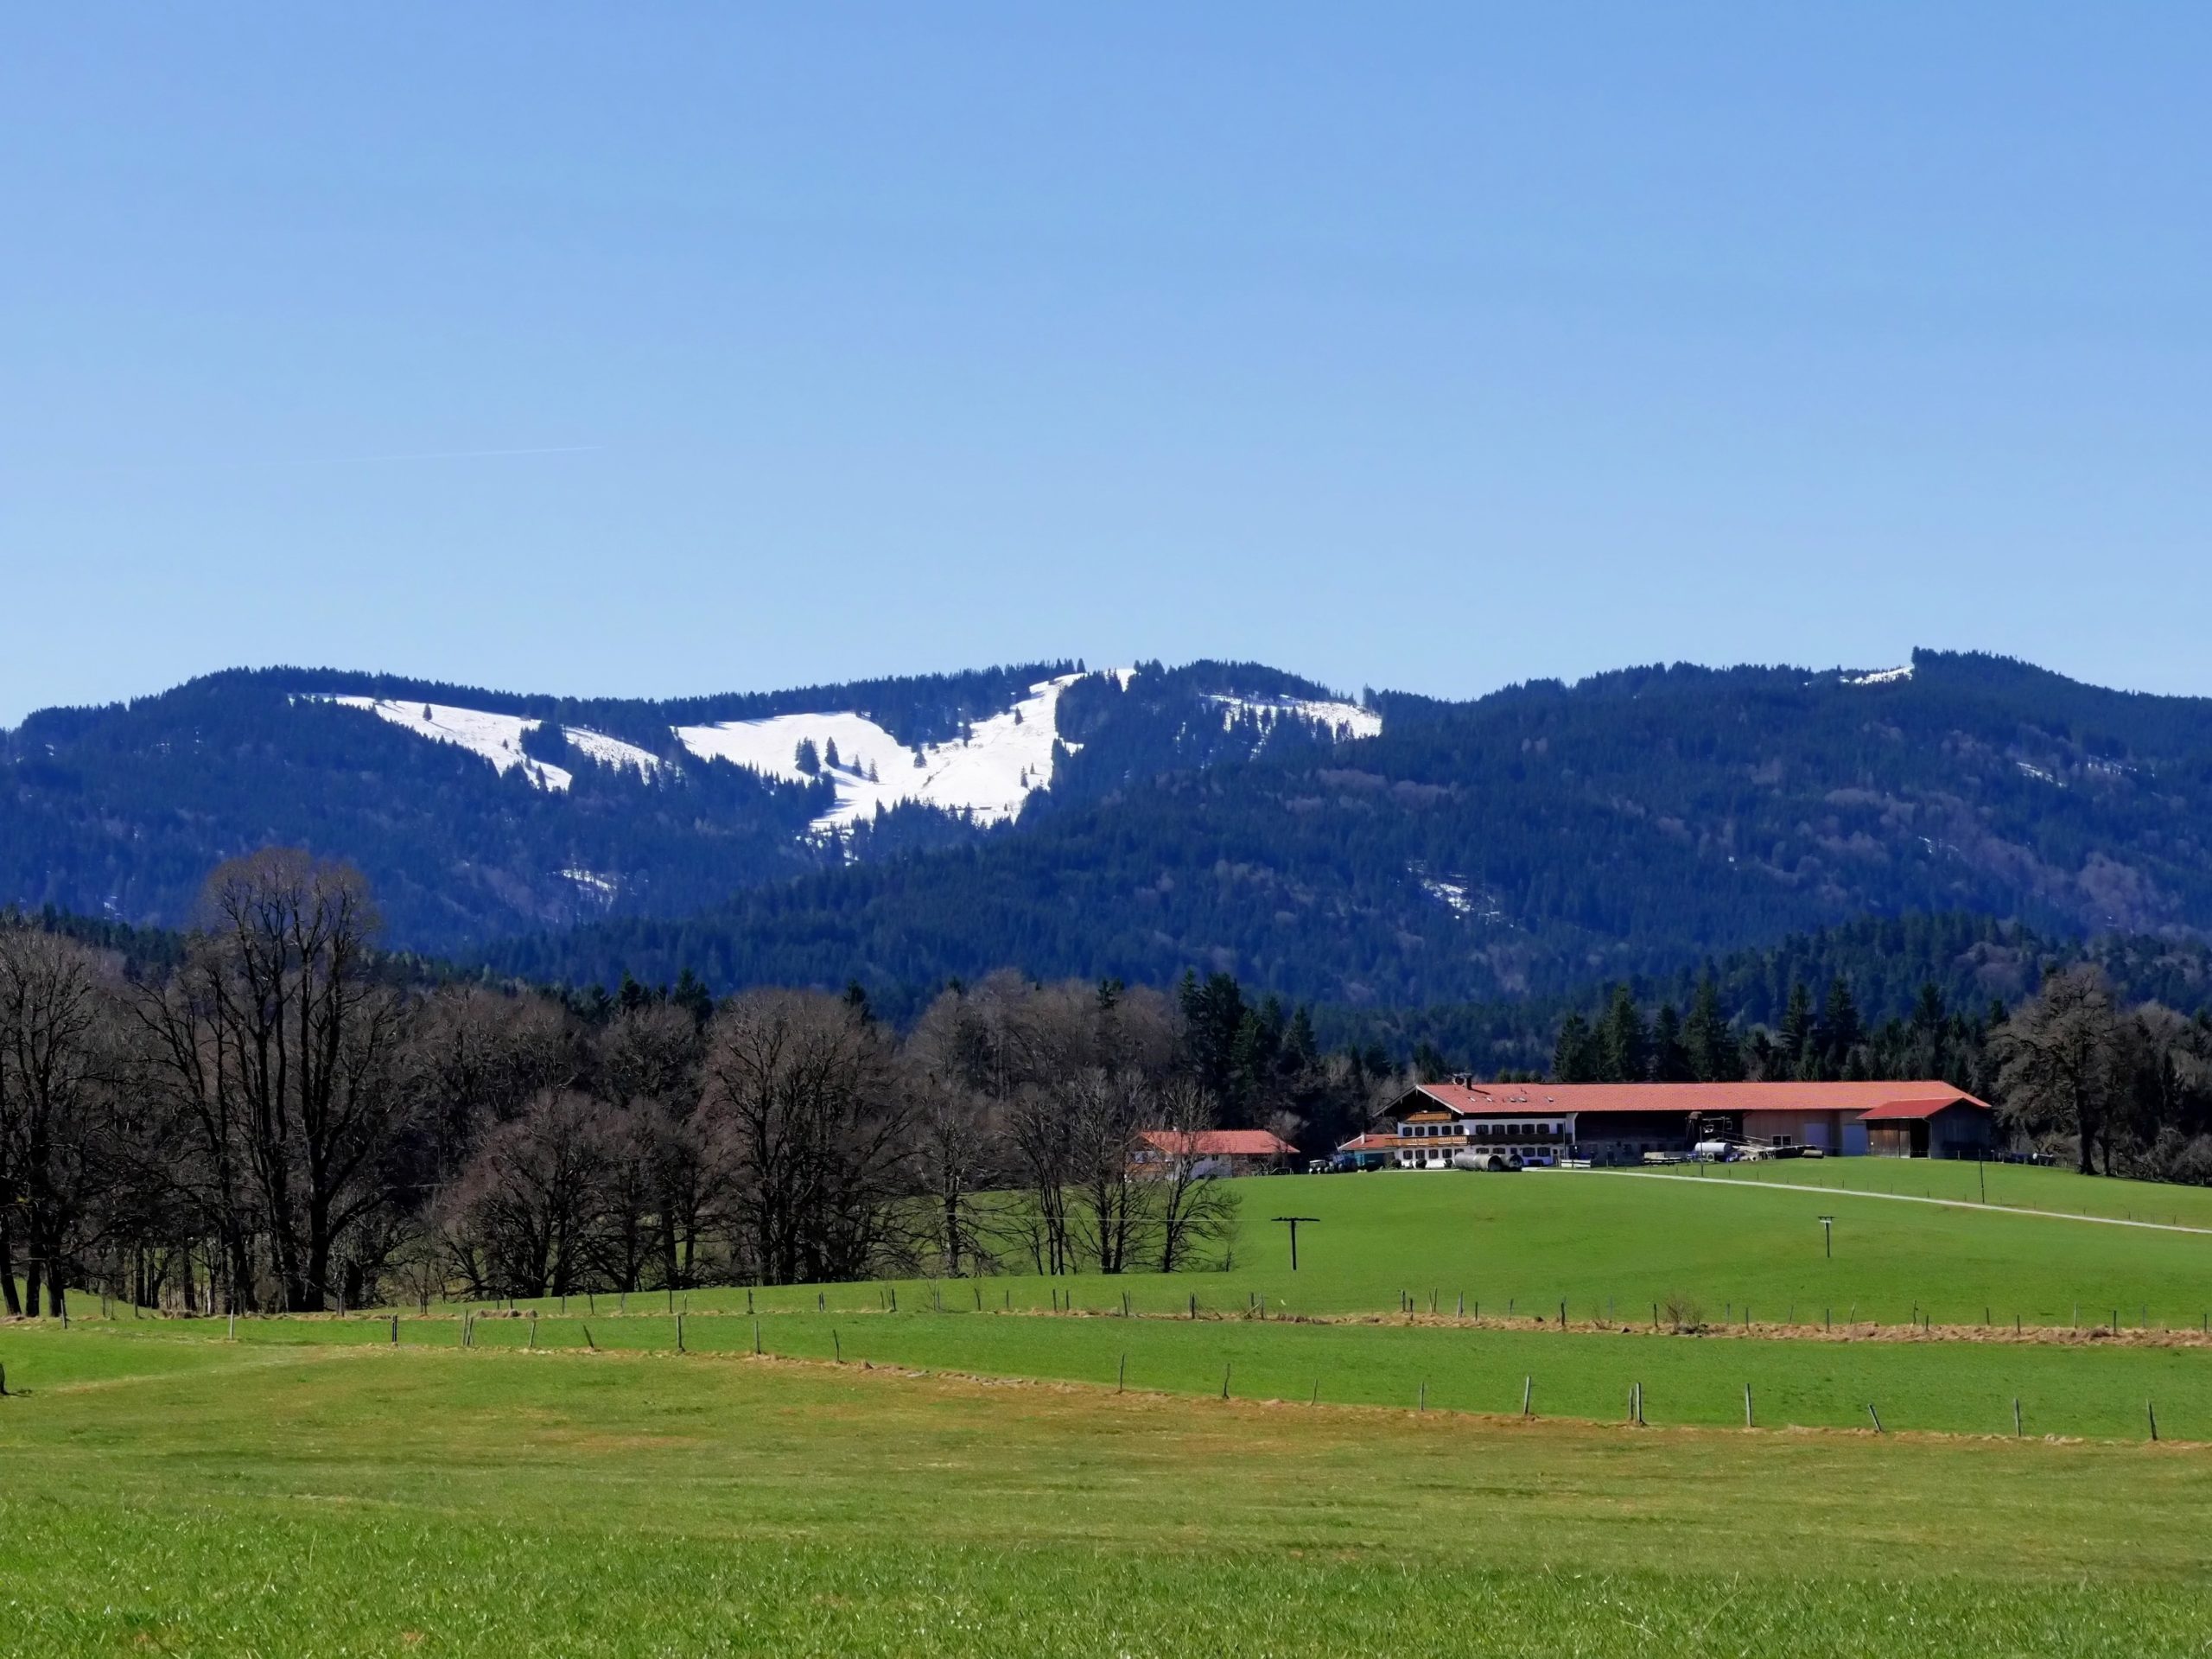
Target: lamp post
1292,1221
1828,1234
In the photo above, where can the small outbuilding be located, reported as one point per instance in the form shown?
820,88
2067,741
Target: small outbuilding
1947,1126
1214,1151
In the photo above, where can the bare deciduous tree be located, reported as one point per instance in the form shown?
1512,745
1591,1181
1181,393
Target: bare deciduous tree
521,1220
801,1095
2057,1057
57,1053
285,1053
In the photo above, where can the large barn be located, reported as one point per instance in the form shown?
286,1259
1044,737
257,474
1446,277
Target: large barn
1620,1122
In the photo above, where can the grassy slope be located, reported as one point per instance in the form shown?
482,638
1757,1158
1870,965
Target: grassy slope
2016,1185
1623,1242
181,1497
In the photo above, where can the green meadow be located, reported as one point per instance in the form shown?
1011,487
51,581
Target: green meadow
174,1495
1011,1467
2110,1390
1613,1245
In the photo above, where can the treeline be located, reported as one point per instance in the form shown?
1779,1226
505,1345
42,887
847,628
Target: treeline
274,1115
2072,1070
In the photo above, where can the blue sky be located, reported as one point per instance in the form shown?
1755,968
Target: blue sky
1429,347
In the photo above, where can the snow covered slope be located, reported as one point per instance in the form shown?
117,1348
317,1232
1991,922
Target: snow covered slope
498,738
1344,720
985,776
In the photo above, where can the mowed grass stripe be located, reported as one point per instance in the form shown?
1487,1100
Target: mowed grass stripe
1942,1386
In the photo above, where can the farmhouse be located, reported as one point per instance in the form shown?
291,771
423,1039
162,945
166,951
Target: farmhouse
1620,1122
1214,1151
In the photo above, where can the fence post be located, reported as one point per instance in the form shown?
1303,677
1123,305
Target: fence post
2150,1407
1527,1391
837,1344
1224,1381
2016,1416
395,1330
1121,1373
1876,1415
679,1333
1747,1407
756,1338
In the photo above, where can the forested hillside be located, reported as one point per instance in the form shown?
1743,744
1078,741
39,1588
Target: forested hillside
1528,844
477,814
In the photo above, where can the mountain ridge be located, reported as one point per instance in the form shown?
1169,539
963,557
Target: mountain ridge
478,812
1534,838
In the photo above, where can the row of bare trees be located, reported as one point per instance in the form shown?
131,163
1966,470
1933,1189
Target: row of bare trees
2128,1087
280,1119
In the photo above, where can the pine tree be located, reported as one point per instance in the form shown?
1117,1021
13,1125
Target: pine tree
1624,1044
807,759
1574,1056
693,997
1302,1047
1793,1039
1708,1043
1670,1061
1841,1031
830,752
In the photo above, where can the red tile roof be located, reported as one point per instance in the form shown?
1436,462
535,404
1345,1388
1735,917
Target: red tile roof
1498,1099
1893,1111
1218,1143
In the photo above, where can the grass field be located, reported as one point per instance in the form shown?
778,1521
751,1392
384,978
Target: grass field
2018,1187
1947,1387
1610,1245
170,1495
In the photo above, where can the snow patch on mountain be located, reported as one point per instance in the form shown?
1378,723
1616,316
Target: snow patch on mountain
1453,895
1345,720
985,776
1880,676
611,751
498,738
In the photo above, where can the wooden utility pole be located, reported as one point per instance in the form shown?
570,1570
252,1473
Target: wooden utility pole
1292,1222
